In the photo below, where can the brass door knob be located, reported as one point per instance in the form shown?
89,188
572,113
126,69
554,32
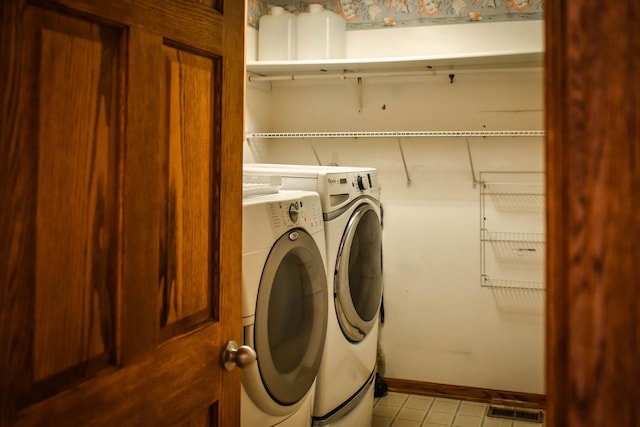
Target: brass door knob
240,356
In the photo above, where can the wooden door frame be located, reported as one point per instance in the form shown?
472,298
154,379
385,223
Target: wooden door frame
593,222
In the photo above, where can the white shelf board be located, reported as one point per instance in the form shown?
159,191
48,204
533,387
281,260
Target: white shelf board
528,59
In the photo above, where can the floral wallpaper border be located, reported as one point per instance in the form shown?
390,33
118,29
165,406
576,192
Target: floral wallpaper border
367,14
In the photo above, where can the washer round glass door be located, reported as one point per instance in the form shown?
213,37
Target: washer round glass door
291,317
358,277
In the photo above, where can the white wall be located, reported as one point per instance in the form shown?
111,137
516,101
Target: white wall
441,326
456,39
448,40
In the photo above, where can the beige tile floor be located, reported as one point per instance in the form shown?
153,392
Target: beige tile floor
408,410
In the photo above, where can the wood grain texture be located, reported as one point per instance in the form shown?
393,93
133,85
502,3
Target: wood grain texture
83,126
459,392
593,99
185,285
61,214
210,3
141,198
556,322
75,195
227,170
181,21
17,215
125,397
202,418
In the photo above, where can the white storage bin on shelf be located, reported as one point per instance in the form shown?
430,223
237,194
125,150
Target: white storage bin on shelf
321,34
277,36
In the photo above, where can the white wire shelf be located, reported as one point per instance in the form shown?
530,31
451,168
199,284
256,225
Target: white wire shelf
396,134
512,201
512,189
501,236
515,248
514,197
512,284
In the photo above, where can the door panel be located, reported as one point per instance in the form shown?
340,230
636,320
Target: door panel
120,278
185,280
145,393
189,23
67,180
74,194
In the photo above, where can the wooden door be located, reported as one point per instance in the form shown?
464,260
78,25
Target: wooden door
121,126
593,213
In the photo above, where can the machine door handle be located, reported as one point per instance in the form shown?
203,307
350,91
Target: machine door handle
240,356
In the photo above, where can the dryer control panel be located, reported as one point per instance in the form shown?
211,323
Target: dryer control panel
303,212
364,181
341,187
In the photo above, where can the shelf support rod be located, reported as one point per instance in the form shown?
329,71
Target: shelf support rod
473,172
404,163
360,94
250,145
357,88
315,153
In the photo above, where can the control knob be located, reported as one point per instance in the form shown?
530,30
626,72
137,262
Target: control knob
293,212
362,184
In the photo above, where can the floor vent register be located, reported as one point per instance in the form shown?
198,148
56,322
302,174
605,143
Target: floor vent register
515,410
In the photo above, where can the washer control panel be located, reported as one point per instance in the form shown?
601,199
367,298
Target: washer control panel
300,212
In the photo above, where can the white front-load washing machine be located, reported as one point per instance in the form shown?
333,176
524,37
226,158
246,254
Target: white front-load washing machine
350,199
284,306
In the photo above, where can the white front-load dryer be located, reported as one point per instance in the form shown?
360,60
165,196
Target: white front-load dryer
350,199
284,306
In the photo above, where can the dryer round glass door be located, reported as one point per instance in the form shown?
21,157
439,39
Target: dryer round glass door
291,317
358,277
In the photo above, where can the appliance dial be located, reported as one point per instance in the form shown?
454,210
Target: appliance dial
293,212
362,184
